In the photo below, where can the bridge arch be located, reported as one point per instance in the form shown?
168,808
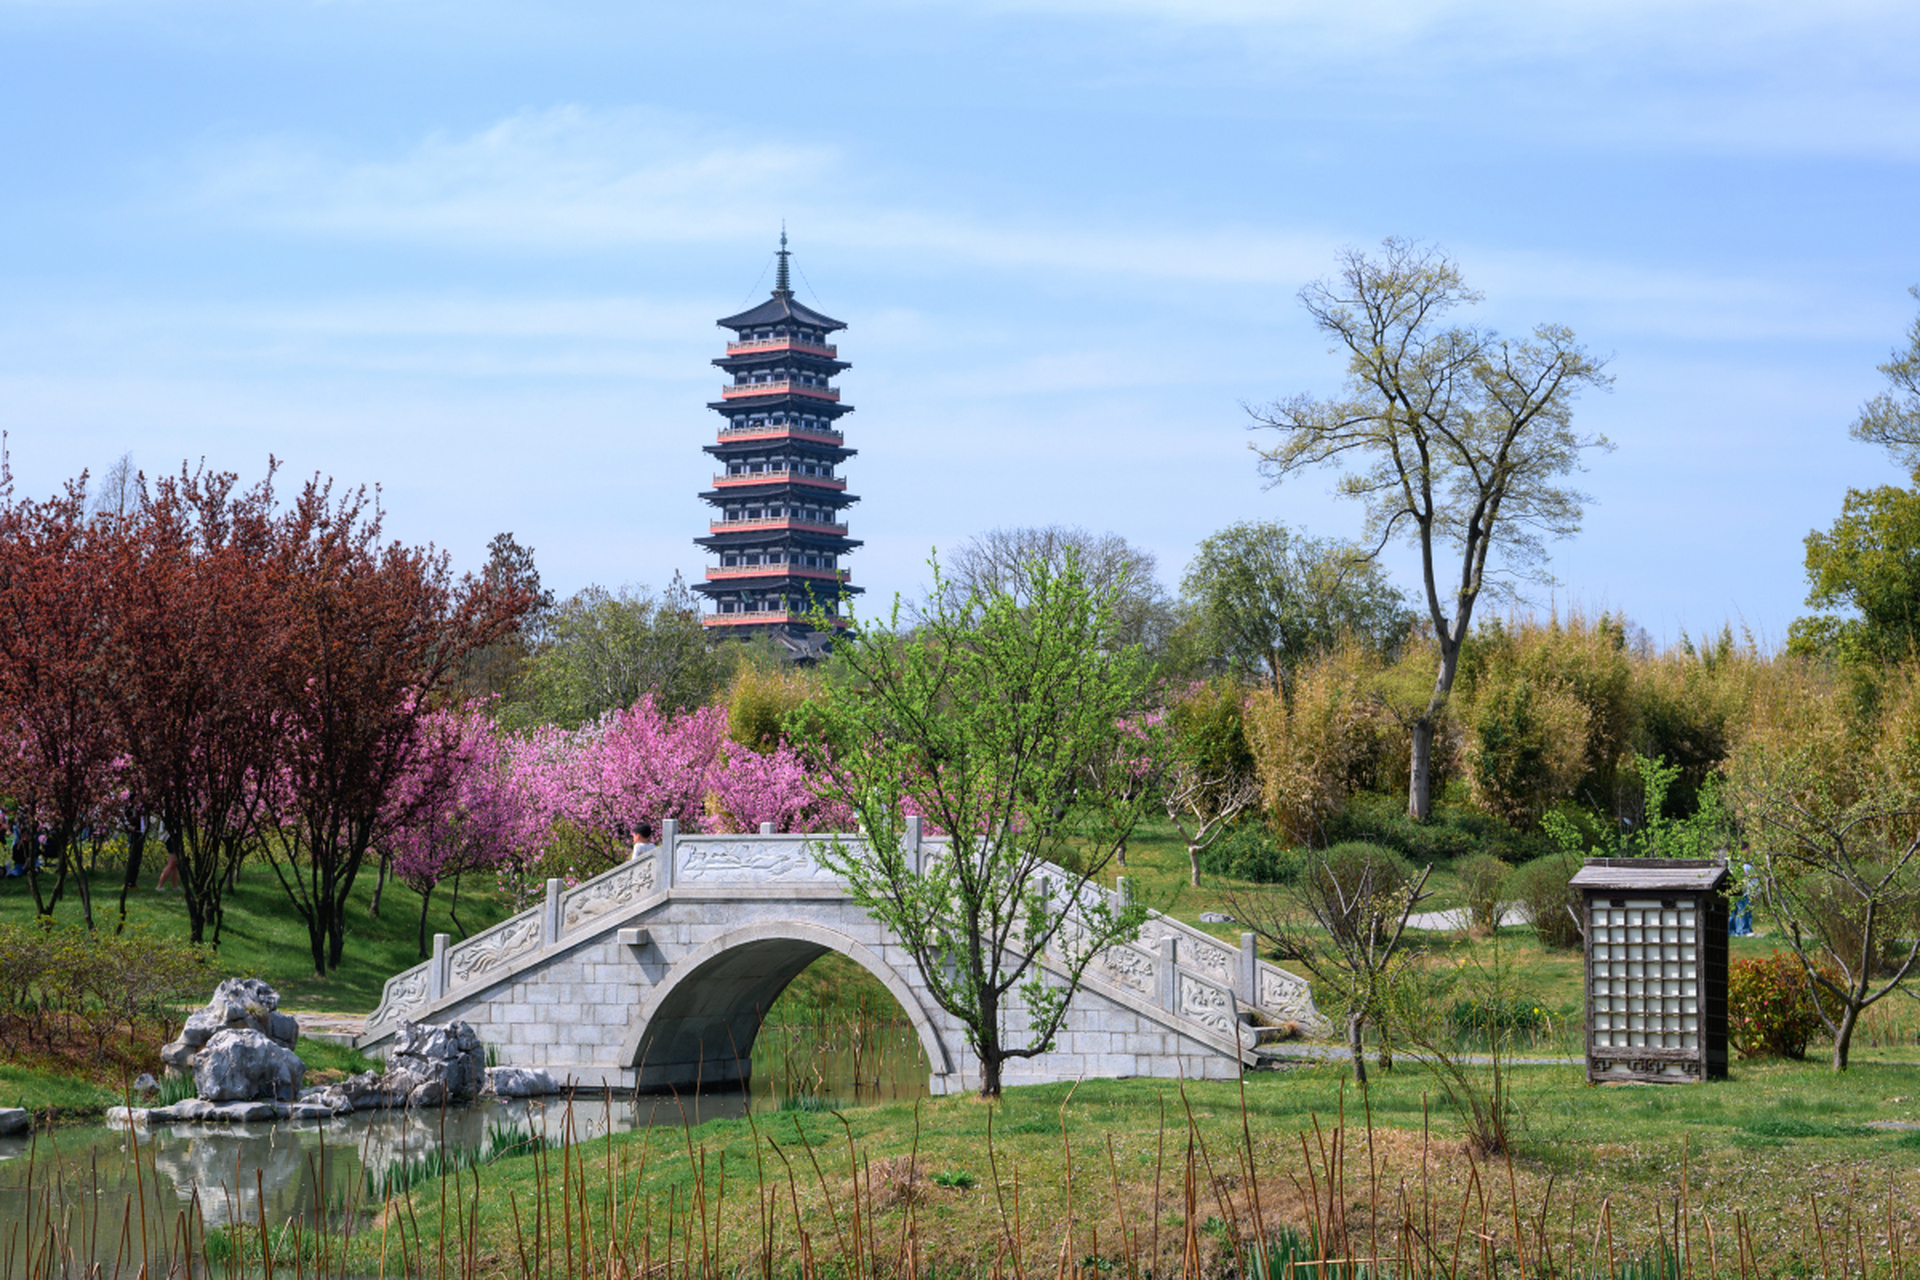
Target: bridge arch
698,1026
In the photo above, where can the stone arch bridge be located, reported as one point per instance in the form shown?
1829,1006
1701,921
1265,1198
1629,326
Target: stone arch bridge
655,975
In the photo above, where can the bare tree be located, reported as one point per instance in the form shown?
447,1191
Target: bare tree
1343,920
1451,436
1839,872
117,495
1212,778
1892,418
1003,560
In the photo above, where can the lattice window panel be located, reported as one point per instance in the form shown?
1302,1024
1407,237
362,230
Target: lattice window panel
1645,958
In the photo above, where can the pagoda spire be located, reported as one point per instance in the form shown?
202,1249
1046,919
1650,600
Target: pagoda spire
782,285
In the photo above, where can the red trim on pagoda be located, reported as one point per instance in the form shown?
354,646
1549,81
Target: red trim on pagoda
730,572
776,477
783,344
782,522
761,617
814,434
733,392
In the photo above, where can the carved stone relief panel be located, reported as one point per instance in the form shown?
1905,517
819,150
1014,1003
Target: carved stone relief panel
1128,966
619,888
1288,996
747,860
1207,1004
405,992
489,951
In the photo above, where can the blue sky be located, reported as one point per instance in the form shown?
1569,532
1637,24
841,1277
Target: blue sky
473,251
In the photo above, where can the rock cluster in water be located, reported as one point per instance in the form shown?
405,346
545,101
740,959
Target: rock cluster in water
427,1067
240,1047
239,1050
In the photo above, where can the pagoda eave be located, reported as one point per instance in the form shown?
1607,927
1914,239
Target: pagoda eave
818,405
834,453
757,359
828,542
780,489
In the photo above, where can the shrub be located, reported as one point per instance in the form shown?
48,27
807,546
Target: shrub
1312,747
1349,884
1453,831
58,982
1770,1011
758,704
1526,746
1483,880
1542,887
1249,852
1496,1015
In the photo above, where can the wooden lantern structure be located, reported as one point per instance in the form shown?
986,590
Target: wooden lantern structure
1656,932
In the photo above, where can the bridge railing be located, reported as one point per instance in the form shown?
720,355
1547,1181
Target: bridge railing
1173,965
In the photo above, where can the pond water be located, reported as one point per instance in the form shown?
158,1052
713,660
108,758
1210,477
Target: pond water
77,1198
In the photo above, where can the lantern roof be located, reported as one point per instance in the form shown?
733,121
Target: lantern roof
1693,875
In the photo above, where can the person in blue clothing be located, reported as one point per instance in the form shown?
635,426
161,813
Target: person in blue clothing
1740,919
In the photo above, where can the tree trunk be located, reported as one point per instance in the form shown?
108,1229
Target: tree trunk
424,897
987,1044
1193,857
1420,773
1357,1045
1843,1038
136,851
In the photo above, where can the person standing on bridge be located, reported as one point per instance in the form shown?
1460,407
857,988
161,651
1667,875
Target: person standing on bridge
642,841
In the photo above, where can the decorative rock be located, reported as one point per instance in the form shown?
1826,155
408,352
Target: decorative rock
450,1056
521,1082
240,1066
14,1120
238,1004
145,1083
1215,917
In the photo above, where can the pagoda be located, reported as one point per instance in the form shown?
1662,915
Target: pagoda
776,531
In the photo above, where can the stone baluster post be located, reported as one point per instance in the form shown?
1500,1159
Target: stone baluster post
437,968
550,917
1165,947
1249,992
667,854
916,852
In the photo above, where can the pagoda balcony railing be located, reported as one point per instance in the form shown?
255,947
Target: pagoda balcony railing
750,617
784,344
777,522
770,431
734,391
778,571
777,477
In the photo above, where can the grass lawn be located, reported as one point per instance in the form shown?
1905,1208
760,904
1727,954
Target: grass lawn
1119,1176
264,937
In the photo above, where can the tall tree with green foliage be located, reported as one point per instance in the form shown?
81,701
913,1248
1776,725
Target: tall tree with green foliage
1868,564
1451,436
600,651
1266,598
987,717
